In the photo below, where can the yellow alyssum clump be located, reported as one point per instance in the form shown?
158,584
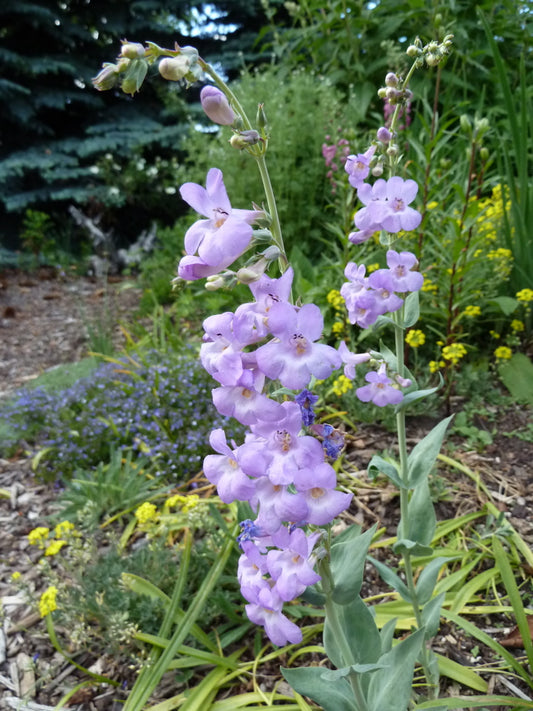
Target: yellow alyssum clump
517,325
342,385
435,365
415,338
503,353
54,547
187,503
472,311
64,527
335,299
146,512
525,295
47,603
454,352
38,536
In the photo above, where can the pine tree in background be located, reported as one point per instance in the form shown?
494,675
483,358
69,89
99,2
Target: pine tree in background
54,127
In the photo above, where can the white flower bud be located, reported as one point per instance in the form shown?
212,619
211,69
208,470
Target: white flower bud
174,68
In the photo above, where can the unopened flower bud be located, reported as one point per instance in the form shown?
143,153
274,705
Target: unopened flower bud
377,170
132,50
412,51
383,134
214,282
244,138
432,59
261,118
391,79
393,150
466,126
392,95
106,77
174,68
382,93
216,106
484,153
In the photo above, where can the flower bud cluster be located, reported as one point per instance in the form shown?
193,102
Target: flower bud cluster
132,64
432,53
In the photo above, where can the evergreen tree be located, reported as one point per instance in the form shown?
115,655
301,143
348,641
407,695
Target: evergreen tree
54,126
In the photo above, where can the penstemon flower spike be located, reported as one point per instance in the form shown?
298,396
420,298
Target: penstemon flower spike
283,467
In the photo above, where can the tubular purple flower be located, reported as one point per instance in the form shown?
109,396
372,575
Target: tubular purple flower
358,166
293,357
224,471
351,360
380,390
222,237
216,106
387,205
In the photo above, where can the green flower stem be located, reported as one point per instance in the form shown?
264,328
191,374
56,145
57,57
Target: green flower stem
275,226
141,691
259,156
338,632
403,531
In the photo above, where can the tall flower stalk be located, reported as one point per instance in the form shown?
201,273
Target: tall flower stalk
266,358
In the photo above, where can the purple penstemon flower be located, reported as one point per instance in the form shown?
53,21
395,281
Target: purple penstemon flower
358,166
401,272
221,238
387,205
293,356
245,401
380,389
291,564
286,450
351,360
223,470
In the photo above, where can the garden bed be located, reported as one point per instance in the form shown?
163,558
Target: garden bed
41,329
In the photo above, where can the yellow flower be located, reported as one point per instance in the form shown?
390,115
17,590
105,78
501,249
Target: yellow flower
436,365
47,603
146,512
495,334
38,536
415,338
372,267
335,299
54,547
472,311
432,205
517,325
191,502
342,385
337,328
186,502
503,353
429,286
525,295
16,575
63,527
454,352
